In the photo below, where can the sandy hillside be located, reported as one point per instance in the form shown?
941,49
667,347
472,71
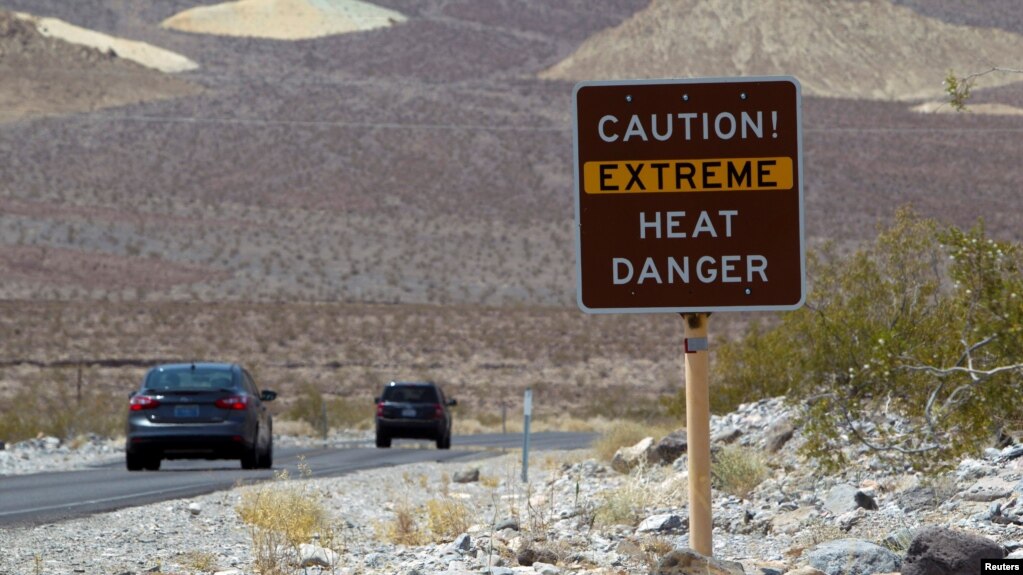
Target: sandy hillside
283,19
50,67
837,48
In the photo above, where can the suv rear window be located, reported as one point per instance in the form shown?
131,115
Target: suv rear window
189,379
410,394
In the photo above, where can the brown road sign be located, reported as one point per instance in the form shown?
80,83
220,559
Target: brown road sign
689,195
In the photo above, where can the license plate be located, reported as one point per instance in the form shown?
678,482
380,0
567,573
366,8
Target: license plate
408,412
186,411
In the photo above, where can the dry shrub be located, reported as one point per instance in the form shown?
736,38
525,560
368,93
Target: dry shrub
447,518
404,529
643,489
281,517
737,470
199,561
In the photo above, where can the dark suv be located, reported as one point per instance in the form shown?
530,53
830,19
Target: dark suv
414,410
199,411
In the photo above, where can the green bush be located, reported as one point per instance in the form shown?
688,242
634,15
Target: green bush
924,324
310,406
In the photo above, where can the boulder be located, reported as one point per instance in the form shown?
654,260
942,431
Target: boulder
689,562
315,556
467,476
841,499
726,435
778,435
507,523
628,458
665,522
988,489
941,551
917,497
672,446
530,555
853,557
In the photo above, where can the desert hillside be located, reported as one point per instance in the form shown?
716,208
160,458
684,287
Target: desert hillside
53,68
872,49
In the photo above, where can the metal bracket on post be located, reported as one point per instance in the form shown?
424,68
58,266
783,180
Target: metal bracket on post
697,367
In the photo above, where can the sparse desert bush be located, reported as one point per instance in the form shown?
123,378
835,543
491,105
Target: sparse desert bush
447,518
281,516
44,411
737,470
628,503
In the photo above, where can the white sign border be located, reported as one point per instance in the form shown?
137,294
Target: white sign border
578,191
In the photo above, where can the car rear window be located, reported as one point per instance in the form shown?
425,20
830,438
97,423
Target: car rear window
189,379
410,394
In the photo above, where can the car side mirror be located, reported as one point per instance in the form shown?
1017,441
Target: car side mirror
268,395
452,402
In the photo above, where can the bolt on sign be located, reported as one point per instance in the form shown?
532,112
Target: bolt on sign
689,195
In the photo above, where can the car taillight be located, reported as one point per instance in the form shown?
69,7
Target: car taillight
235,402
380,409
438,411
140,402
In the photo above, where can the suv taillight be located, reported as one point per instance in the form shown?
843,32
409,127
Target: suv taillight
235,402
380,409
438,411
141,402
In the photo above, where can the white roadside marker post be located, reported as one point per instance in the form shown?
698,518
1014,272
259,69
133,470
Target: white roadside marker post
697,361
527,414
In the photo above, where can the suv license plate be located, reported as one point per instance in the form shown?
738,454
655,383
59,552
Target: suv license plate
408,412
186,411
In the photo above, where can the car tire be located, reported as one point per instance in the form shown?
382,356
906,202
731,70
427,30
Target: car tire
444,442
250,458
266,459
383,440
151,463
134,461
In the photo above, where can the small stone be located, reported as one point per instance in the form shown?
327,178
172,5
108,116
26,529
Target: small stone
988,489
507,523
628,458
463,542
689,562
467,476
853,557
805,570
315,556
778,435
672,446
726,435
841,499
545,568
661,523
194,508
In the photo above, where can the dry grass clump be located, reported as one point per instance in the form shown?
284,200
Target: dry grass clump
439,519
737,470
281,517
628,503
199,562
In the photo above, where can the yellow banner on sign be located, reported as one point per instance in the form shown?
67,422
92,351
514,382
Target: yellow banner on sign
709,175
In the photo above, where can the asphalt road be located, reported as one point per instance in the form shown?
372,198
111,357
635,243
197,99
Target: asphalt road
50,497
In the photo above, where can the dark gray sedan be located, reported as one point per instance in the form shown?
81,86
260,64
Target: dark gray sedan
199,411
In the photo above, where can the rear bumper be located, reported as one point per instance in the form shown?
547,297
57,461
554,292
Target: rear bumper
227,440
412,428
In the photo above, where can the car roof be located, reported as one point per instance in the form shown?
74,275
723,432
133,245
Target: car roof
412,383
205,366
